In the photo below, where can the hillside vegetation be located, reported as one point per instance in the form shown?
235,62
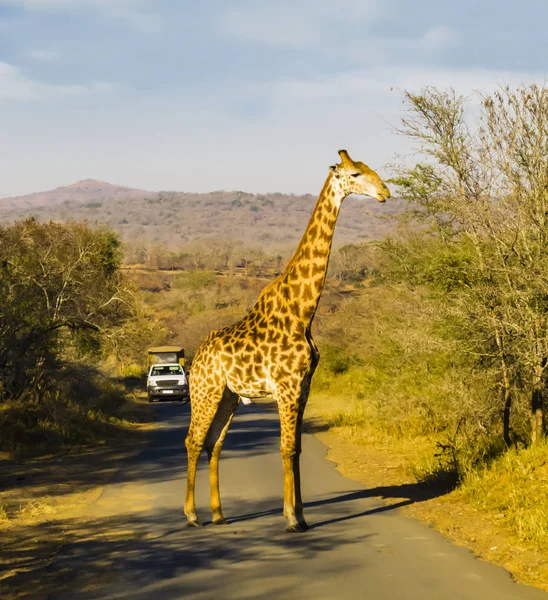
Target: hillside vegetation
175,222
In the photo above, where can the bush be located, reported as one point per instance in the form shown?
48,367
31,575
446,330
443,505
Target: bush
195,280
61,295
83,407
336,360
394,356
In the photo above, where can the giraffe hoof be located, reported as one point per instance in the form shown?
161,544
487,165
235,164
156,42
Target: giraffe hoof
297,528
195,523
221,521
303,526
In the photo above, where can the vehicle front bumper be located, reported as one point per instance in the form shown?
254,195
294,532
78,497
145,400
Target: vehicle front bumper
167,393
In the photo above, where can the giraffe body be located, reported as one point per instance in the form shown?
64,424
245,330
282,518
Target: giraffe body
270,351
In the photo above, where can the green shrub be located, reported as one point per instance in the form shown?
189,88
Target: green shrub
336,360
195,280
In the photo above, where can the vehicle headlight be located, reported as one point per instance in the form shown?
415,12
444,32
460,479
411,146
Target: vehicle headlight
152,383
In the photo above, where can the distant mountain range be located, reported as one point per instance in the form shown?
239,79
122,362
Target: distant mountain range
87,190
175,219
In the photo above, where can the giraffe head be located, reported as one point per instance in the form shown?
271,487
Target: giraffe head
358,178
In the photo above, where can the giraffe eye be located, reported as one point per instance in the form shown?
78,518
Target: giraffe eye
355,174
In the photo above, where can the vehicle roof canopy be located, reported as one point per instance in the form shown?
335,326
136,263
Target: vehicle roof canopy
157,349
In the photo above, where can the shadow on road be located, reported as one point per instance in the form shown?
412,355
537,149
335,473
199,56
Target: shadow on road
163,459
98,553
316,525
165,456
155,548
406,494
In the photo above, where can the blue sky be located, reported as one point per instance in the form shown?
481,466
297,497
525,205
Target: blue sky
236,94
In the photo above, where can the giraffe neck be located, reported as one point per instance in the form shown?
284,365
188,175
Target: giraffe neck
303,280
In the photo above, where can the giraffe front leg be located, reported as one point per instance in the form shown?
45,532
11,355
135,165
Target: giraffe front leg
214,443
290,450
288,460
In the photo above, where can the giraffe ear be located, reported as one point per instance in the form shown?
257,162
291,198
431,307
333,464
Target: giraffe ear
333,168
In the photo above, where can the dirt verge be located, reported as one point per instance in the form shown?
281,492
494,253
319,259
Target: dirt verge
40,496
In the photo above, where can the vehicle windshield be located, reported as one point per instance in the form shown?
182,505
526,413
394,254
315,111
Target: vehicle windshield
167,370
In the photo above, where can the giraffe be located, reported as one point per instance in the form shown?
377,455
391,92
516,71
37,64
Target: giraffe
270,351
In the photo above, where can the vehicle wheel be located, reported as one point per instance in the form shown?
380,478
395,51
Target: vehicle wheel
150,398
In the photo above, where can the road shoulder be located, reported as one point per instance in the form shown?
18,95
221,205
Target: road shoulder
450,514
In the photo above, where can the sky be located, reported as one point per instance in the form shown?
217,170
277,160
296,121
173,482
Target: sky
237,94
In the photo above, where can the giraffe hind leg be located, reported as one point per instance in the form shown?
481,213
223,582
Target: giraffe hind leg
205,401
214,443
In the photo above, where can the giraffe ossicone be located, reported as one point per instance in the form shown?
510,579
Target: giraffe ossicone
270,351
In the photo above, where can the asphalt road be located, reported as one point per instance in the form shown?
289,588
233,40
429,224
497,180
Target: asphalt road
137,546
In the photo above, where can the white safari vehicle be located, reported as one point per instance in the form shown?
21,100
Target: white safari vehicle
166,378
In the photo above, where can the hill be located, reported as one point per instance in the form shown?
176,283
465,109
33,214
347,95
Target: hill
173,219
87,190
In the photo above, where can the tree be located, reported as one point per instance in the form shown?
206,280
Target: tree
483,186
60,292
351,263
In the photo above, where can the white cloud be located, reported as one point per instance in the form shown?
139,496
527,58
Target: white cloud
142,21
327,28
99,3
439,38
136,12
371,50
359,110
462,80
353,87
285,132
294,23
43,55
15,86
288,148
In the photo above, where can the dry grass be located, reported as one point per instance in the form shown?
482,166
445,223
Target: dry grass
514,491
31,511
107,412
4,519
187,306
345,416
